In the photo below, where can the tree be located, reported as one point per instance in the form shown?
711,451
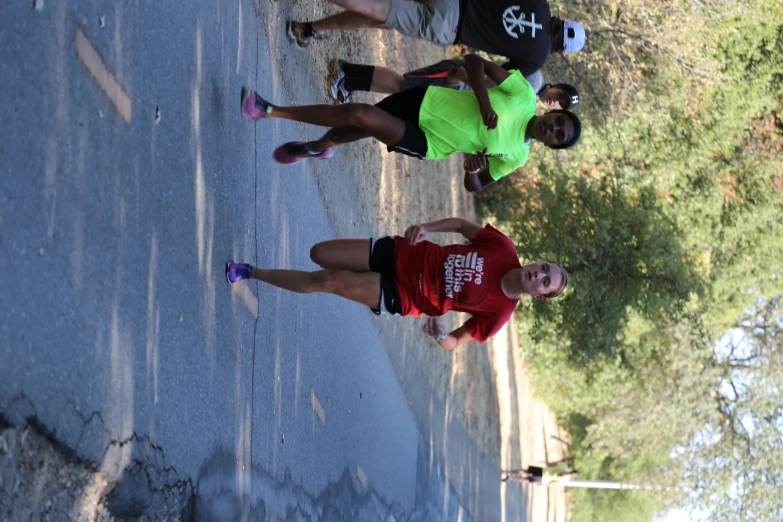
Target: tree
736,460
669,214
622,252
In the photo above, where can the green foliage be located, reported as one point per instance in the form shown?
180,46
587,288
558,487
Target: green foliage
609,504
622,251
669,216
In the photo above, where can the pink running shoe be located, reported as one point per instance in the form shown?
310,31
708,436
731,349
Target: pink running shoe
238,272
254,107
294,151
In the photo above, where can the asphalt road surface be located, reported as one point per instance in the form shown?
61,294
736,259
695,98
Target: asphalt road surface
129,179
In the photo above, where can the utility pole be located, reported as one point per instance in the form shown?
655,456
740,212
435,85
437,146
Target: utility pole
605,484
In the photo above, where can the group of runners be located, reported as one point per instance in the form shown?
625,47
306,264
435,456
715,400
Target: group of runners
471,106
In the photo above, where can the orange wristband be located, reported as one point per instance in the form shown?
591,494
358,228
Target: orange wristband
467,169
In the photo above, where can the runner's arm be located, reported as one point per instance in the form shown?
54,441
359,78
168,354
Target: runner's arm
459,76
418,233
476,67
435,327
475,181
455,338
480,67
477,174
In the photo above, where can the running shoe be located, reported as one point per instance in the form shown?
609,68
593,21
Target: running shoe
236,272
254,107
295,32
294,151
336,82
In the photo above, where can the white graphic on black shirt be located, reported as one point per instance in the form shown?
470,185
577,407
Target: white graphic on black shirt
459,271
513,21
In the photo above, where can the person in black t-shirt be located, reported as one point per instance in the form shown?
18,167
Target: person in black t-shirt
523,30
346,78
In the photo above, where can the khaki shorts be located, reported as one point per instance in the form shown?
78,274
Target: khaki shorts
432,20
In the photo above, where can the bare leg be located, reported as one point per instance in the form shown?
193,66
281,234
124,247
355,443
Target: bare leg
375,121
343,254
375,9
345,21
338,136
386,81
363,288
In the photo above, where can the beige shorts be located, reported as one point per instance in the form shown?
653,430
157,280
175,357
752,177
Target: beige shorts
432,20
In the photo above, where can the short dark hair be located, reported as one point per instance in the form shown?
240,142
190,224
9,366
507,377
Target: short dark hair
577,129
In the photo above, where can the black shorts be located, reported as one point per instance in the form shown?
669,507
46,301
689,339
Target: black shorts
535,471
382,261
405,105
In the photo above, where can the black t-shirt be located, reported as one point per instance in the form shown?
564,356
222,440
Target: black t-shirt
518,29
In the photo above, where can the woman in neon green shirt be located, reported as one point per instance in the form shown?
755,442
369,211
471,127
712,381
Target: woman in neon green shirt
496,124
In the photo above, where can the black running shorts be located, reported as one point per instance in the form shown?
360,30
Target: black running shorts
406,105
382,261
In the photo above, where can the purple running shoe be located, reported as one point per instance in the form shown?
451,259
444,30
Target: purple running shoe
254,107
294,151
236,272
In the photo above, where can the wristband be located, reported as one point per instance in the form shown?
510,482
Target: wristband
468,169
441,337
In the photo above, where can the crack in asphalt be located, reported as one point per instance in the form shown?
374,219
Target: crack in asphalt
213,495
160,478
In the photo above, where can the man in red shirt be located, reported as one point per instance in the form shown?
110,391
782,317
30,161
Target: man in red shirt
411,276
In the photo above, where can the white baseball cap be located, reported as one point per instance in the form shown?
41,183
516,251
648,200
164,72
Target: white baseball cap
573,37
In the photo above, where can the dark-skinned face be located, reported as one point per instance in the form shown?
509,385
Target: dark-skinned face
554,128
555,98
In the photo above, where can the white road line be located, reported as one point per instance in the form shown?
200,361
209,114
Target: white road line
317,408
246,296
361,476
102,76
239,40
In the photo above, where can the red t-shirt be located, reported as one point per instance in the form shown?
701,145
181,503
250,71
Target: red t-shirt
434,279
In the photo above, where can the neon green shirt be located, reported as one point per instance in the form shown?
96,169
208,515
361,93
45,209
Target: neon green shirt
452,122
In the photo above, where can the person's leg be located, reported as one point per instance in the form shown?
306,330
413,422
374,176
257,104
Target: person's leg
374,121
337,136
345,21
386,81
346,78
377,10
303,33
360,287
343,254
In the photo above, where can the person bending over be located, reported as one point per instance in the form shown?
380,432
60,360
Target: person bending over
436,122
346,78
411,276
